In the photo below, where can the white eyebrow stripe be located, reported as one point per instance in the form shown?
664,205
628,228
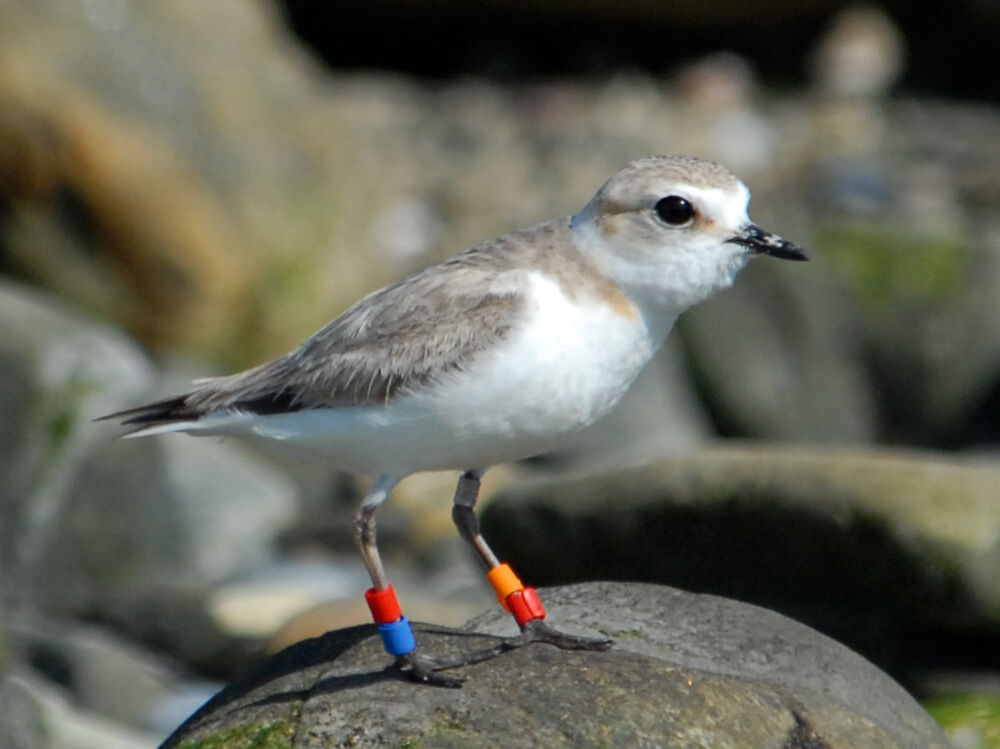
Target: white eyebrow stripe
720,203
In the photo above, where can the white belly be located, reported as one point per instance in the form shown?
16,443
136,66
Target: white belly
551,377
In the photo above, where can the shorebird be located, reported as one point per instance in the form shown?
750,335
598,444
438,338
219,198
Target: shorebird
494,355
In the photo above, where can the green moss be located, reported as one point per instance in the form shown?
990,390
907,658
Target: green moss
410,742
59,425
362,715
969,717
445,721
59,408
274,735
888,264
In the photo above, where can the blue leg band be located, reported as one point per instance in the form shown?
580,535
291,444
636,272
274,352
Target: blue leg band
398,636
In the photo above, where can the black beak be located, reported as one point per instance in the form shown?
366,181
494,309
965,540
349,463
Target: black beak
763,242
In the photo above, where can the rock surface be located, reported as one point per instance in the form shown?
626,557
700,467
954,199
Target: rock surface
687,670
99,674
86,515
59,374
34,715
895,552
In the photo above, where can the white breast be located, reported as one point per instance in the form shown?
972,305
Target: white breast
560,371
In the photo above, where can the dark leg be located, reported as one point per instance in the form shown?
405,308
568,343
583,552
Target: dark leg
464,515
522,602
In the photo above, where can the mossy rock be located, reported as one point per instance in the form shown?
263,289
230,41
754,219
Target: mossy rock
685,670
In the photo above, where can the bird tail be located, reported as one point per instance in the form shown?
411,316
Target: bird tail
167,415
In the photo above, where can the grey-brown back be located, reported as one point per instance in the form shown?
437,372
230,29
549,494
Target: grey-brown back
397,339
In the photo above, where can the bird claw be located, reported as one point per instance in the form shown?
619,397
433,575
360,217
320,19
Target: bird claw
426,669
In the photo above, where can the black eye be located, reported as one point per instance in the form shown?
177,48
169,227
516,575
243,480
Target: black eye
674,210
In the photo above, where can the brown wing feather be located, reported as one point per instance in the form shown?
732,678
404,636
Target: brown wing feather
391,342
399,338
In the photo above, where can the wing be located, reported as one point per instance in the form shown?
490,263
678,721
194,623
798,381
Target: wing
396,340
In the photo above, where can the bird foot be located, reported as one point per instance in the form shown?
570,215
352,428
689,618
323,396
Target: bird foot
426,669
537,630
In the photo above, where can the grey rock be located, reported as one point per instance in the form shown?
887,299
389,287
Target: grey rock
60,372
187,697
259,603
175,619
887,550
84,516
232,505
103,674
778,357
915,280
172,509
34,715
22,723
685,670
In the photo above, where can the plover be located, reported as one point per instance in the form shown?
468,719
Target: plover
493,355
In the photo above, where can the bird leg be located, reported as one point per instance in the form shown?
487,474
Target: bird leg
364,535
397,634
394,628
464,516
523,603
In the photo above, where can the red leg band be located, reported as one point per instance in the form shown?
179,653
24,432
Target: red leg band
525,605
383,604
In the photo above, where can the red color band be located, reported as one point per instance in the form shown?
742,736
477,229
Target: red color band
525,605
383,604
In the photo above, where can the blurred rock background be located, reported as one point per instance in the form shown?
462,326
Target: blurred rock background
187,188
